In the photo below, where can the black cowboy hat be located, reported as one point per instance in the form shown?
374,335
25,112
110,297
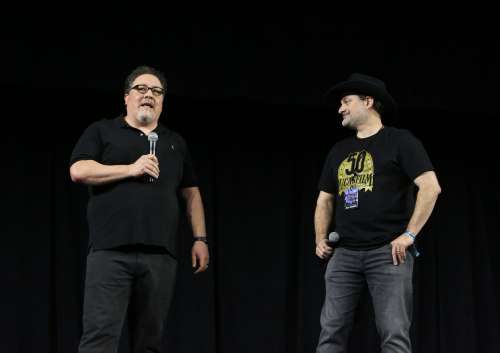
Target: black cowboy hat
365,85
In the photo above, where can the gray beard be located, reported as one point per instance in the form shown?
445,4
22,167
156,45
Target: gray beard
145,117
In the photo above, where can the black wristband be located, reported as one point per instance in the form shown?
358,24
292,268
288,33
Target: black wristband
203,239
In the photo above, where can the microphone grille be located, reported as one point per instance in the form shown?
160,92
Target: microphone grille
333,237
153,136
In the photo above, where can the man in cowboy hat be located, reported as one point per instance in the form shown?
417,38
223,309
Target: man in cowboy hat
368,183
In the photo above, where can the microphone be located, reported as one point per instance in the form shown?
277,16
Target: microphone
152,138
333,238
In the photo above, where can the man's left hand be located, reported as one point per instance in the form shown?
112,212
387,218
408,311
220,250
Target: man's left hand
399,246
200,256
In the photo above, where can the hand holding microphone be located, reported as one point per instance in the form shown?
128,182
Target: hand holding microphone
147,165
324,248
153,138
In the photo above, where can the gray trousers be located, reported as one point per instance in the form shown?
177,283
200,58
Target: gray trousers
391,290
120,281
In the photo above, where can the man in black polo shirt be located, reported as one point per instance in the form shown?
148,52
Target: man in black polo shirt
132,215
368,183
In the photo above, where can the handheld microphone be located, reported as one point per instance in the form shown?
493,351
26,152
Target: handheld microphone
152,138
333,238
331,241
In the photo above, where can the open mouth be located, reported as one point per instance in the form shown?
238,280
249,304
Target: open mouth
147,104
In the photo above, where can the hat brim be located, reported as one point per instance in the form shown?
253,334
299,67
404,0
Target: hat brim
335,94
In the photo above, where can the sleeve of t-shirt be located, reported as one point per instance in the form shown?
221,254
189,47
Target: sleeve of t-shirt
412,156
89,146
188,175
328,179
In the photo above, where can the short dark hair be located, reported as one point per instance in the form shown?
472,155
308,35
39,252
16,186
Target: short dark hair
377,105
143,70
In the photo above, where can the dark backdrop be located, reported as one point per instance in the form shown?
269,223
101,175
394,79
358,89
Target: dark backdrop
247,100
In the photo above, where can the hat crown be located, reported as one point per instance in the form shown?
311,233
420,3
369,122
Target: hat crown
366,85
368,79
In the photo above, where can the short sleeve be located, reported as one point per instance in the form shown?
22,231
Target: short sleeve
89,146
328,179
412,156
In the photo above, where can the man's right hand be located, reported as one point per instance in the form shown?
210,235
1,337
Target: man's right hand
323,251
146,164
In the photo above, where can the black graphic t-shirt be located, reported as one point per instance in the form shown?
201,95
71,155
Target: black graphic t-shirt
372,180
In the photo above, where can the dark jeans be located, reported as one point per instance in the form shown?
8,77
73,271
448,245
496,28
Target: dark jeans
391,290
120,280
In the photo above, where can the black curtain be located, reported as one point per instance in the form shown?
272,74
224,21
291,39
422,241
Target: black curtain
258,166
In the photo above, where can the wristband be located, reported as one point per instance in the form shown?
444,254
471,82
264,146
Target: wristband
203,239
410,234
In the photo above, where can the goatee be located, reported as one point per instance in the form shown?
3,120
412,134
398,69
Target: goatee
145,117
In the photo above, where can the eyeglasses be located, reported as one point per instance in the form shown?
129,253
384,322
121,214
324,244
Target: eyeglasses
142,89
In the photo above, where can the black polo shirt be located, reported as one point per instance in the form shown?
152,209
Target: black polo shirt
134,211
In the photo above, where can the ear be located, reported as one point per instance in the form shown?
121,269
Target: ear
369,102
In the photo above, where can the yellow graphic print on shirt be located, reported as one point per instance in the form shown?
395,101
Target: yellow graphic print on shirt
356,171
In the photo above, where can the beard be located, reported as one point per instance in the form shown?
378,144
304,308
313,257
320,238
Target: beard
145,116
353,121
348,122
